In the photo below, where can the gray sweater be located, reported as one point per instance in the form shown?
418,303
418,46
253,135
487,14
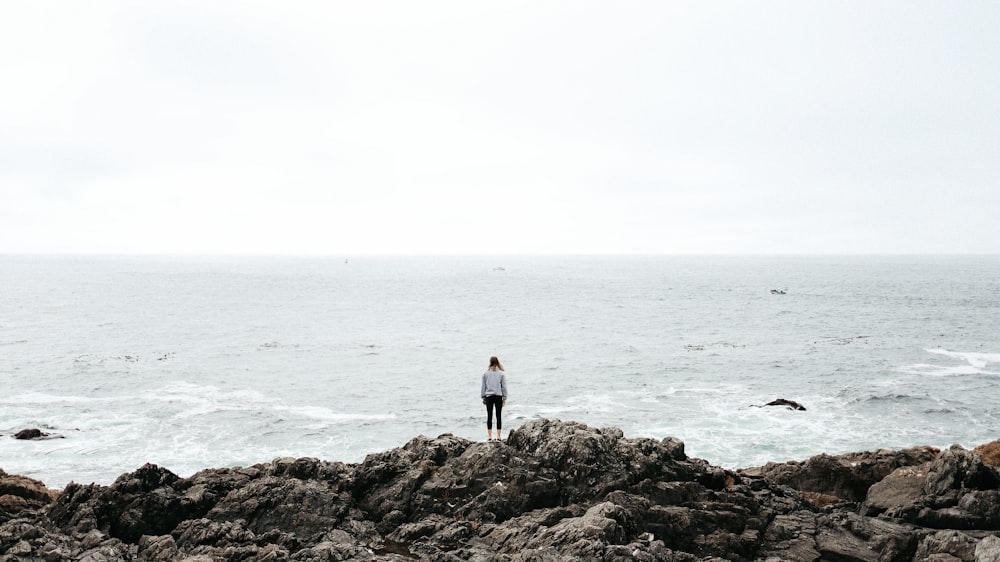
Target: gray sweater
494,384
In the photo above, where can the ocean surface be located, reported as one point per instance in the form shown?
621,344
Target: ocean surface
197,362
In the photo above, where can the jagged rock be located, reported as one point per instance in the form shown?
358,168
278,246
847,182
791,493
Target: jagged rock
389,481
556,491
790,404
306,507
158,548
849,536
954,491
957,469
144,502
846,477
791,537
945,545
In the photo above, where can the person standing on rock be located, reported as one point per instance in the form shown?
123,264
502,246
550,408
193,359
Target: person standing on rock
494,395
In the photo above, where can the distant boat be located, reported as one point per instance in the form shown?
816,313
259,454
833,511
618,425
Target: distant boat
778,291
499,269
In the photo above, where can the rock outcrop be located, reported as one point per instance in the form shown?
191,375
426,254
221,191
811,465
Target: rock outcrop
555,490
34,434
21,494
828,479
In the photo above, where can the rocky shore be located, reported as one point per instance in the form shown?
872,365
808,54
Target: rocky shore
553,491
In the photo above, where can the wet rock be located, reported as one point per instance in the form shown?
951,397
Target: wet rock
790,404
35,435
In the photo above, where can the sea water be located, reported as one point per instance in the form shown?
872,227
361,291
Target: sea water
196,362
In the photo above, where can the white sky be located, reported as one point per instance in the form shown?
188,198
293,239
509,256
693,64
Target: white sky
481,127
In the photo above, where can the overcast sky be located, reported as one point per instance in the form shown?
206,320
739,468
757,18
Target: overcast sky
483,127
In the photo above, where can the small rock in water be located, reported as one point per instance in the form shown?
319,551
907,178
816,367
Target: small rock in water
792,404
30,434
34,434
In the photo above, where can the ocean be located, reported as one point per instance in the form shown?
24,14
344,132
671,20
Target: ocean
198,362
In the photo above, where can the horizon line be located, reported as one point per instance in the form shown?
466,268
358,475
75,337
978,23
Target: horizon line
330,255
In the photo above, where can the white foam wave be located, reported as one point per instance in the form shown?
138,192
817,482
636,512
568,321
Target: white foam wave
326,414
580,405
196,393
45,398
974,363
941,370
977,360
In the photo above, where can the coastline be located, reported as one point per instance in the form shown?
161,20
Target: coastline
553,491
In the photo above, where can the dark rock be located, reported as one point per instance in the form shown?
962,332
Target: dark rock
30,434
954,491
849,536
958,469
945,545
556,491
144,502
844,477
35,435
790,404
897,491
305,507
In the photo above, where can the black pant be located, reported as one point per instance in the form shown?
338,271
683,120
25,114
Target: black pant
491,402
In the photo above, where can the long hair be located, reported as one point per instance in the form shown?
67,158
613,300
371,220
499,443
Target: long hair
495,364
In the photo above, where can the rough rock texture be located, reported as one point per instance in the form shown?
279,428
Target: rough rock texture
827,479
954,491
20,493
556,491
